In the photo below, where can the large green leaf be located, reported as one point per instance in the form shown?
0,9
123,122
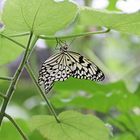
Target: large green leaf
73,126
40,16
99,97
128,23
90,86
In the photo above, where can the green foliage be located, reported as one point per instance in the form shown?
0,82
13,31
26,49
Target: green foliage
99,97
112,5
9,51
127,136
127,23
35,135
128,123
7,127
72,126
8,131
113,102
38,15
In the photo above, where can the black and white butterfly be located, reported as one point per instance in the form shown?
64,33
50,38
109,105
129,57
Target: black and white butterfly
64,64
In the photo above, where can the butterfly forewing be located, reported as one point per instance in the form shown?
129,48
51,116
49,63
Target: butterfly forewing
83,68
61,66
54,69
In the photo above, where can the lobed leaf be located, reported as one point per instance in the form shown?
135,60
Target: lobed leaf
73,126
40,16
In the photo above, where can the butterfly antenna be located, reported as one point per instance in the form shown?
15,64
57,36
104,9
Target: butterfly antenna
71,41
57,44
61,42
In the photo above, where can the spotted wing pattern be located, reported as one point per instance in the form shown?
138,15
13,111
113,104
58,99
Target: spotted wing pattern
61,66
54,69
83,68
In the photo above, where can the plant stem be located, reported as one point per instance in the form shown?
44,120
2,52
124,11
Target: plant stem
31,48
2,96
16,126
6,78
30,71
74,35
13,83
22,46
41,92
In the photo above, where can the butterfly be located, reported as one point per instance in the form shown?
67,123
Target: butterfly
64,64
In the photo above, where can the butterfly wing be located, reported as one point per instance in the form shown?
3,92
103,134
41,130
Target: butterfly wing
54,69
83,68
64,64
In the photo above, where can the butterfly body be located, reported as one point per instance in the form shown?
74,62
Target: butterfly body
64,64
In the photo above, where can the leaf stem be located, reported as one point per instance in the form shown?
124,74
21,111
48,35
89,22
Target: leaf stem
41,92
74,35
2,96
22,46
6,78
30,71
31,48
16,126
13,83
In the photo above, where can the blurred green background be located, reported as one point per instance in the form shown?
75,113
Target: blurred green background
116,100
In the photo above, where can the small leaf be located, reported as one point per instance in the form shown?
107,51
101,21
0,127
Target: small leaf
127,23
73,126
39,16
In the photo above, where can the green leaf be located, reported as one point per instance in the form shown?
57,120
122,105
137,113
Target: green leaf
9,132
125,136
99,102
9,51
100,97
36,136
127,122
128,102
75,84
127,23
73,126
39,16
